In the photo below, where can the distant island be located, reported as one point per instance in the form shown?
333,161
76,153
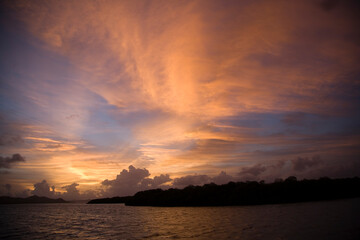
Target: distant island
110,200
32,199
245,193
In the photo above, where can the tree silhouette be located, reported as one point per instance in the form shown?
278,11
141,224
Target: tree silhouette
245,193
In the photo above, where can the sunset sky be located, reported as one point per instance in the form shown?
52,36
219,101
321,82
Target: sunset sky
105,98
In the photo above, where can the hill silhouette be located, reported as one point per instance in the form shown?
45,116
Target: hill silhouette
245,193
110,200
32,199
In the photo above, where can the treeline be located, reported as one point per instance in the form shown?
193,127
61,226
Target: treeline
248,193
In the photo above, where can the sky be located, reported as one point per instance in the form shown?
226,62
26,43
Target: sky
106,98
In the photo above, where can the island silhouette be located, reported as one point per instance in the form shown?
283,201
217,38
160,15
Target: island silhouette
289,190
32,199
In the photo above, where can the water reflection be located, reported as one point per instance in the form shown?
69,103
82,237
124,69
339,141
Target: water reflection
319,220
198,223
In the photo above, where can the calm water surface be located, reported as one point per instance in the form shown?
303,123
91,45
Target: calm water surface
316,220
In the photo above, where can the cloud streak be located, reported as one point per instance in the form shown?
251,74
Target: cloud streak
193,59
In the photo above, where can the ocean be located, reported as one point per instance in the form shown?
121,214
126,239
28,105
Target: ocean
338,219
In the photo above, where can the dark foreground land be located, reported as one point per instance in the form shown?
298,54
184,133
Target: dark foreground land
245,193
32,199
